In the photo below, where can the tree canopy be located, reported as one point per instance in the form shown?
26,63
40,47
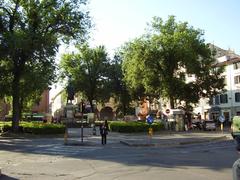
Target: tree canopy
160,61
116,85
88,71
30,34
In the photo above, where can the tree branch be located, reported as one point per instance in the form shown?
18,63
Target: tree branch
5,9
12,17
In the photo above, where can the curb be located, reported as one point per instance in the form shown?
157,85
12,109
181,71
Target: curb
173,144
203,141
79,144
137,144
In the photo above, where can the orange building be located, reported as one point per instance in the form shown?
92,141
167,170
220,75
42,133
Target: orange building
41,107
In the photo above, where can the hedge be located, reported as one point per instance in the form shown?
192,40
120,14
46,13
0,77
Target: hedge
35,127
115,126
131,127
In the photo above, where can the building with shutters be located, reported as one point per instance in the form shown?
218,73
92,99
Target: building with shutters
227,103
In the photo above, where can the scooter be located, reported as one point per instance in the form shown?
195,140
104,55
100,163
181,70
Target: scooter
197,125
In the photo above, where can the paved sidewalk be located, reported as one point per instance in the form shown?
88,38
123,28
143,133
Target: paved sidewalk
163,139
175,138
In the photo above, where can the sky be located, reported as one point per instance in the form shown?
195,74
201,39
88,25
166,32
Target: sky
118,21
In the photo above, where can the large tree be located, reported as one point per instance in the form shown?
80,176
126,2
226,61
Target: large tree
88,71
116,85
160,61
30,34
42,74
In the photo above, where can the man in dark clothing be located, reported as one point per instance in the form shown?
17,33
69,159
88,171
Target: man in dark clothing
104,131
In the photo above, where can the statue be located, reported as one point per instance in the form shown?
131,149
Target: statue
70,92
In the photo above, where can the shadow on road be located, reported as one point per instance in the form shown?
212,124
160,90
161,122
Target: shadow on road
166,157
5,177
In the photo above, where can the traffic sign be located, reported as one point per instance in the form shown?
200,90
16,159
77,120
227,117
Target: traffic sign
167,111
149,119
221,118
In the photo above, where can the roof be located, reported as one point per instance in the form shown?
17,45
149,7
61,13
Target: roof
222,52
228,62
225,57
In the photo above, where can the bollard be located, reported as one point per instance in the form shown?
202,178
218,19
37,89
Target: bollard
150,131
222,127
65,137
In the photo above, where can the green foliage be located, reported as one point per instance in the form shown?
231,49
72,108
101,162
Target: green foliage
117,87
35,128
159,62
133,66
5,126
43,128
131,127
30,34
87,70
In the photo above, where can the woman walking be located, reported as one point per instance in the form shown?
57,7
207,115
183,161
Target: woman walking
104,131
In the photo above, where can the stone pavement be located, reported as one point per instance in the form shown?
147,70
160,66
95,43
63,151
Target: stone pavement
163,139
172,139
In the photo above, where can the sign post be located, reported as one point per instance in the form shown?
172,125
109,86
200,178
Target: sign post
150,121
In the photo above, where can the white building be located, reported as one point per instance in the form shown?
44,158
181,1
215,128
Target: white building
56,100
228,103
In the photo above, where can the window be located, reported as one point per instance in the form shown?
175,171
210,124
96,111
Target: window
236,65
237,80
237,97
225,80
217,102
211,101
223,98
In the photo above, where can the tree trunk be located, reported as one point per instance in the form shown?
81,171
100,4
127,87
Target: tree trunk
21,107
171,103
124,107
15,103
91,104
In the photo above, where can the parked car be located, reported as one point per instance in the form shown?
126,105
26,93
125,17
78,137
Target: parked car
209,125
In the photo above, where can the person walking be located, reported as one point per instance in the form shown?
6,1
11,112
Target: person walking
104,131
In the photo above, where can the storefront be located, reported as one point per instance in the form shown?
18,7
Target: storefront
214,113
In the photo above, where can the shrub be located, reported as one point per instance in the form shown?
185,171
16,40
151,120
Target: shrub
6,128
35,127
131,127
43,128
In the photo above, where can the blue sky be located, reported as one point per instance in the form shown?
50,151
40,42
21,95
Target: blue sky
118,21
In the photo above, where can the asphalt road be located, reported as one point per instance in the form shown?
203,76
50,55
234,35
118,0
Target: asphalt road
49,158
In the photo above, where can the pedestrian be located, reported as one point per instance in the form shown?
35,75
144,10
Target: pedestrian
236,164
104,131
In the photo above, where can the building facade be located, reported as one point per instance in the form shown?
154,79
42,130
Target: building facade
41,107
227,103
